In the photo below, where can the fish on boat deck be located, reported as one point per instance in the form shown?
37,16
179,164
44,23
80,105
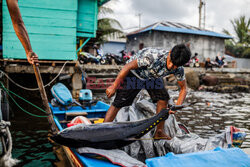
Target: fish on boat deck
110,135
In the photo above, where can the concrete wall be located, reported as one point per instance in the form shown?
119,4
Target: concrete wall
203,45
113,47
243,63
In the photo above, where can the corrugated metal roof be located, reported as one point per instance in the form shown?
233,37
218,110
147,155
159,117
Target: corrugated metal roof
179,28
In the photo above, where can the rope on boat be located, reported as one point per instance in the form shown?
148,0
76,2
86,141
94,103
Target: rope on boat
34,115
6,159
34,89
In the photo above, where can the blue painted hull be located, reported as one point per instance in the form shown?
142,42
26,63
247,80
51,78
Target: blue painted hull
97,111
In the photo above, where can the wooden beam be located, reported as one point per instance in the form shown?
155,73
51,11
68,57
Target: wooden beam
43,69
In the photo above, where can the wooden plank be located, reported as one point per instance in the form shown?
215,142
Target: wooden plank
46,55
96,17
45,45
51,26
40,62
74,114
37,29
83,34
43,69
43,13
50,4
48,22
62,39
16,47
87,17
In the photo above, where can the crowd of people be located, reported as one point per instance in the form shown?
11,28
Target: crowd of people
219,62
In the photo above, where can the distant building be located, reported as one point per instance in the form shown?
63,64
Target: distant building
167,34
114,45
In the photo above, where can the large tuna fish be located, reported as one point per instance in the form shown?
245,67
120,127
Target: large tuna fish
109,135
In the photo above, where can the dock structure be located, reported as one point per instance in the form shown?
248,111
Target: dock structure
46,66
71,70
99,77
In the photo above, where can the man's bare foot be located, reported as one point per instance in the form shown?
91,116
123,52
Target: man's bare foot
159,134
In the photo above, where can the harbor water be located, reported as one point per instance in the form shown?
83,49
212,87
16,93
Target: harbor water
208,115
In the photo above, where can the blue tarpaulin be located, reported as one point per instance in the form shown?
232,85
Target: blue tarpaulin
217,158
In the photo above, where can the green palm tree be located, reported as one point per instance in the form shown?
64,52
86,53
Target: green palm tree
107,27
241,29
240,46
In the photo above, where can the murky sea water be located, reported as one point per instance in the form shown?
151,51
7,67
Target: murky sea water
209,115
212,112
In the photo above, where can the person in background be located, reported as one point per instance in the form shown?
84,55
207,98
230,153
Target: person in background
145,70
220,61
21,31
217,59
223,61
196,60
208,64
141,46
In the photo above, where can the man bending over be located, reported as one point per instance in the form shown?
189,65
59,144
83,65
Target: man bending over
145,71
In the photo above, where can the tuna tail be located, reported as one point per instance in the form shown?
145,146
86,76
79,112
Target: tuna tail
142,127
148,124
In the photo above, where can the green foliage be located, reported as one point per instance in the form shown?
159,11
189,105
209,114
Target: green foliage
241,27
102,11
246,53
235,49
240,46
107,27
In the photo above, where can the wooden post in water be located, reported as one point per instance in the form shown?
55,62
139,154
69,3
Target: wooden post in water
44,97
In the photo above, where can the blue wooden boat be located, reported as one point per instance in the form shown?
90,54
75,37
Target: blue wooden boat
62,116
218,156
94,113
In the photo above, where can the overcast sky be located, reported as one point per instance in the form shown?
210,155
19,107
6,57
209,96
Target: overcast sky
218,12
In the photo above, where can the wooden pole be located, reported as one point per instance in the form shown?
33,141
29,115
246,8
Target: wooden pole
44,97
200,8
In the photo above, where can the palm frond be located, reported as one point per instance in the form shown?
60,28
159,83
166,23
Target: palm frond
107,27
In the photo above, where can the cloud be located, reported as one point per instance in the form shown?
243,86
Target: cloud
218,12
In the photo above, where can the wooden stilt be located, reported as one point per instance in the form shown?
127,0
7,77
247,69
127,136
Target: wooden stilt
44,97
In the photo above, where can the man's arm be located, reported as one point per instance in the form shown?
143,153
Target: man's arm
121,76
183,92
21,31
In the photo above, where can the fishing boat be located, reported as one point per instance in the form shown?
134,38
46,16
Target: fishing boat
61,117
65,111
95,112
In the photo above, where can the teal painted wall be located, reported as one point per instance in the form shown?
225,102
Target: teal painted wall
87,18
51,25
